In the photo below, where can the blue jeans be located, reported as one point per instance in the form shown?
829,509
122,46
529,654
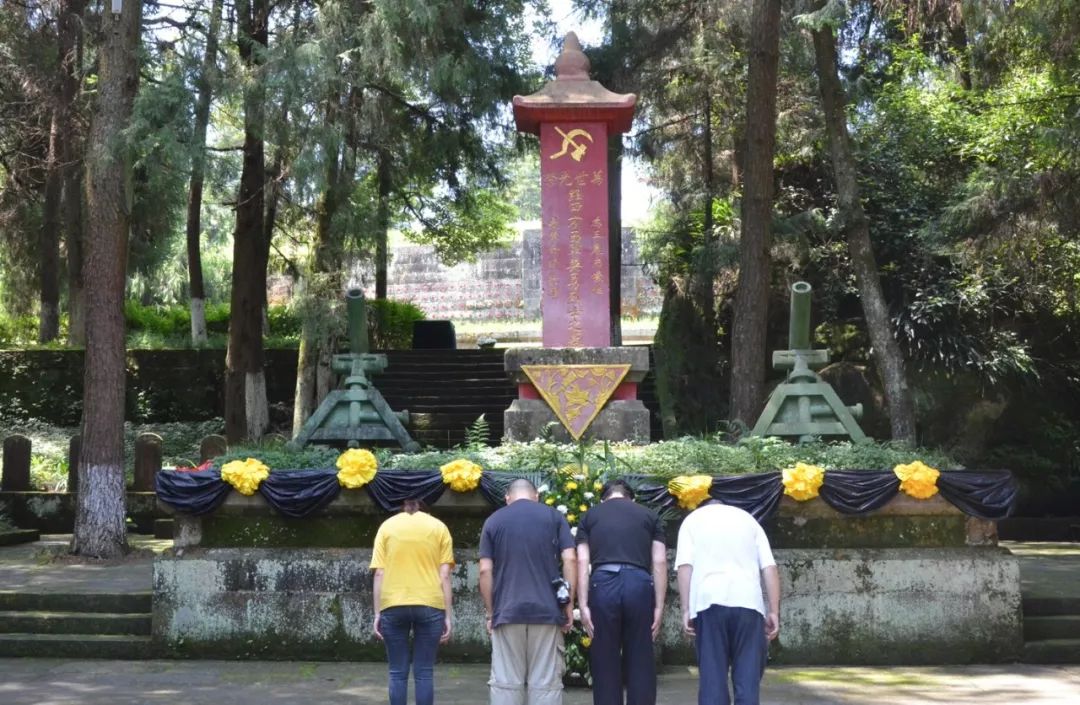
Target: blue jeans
730,639
621,655
426,626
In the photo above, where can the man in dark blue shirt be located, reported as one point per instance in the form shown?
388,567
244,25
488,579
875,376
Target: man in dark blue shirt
622,597
521,547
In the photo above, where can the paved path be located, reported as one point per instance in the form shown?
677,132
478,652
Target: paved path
1050,569
42,566
57,682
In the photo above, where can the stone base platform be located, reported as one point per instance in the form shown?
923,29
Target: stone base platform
850,606
623,418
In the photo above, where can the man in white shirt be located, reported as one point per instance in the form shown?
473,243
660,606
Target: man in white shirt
723,557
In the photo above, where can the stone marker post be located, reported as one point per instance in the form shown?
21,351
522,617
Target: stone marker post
16,477
211,447
577,377
147,461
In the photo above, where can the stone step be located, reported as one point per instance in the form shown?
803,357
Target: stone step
1051,606
124,603
1052,651
85,646
42,622
1066,626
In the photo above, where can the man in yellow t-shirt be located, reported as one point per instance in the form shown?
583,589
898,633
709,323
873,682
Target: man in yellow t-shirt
412,559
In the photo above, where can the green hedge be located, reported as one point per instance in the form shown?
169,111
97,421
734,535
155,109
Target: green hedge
390,323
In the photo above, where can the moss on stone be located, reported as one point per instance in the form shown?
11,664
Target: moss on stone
896,531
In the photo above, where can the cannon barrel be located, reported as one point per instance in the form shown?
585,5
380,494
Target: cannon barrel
357,316
799,325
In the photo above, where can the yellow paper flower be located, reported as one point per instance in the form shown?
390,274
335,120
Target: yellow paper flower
245,475
356,468
597,486
583,508
549,501
462,475
918,479
586,642
570,486
690,490
574,469
571,518
802,481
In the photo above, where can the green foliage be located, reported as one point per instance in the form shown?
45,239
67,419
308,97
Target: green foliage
49,444
390,323
6,523
169,326
276,456
17,331
477,434
709,455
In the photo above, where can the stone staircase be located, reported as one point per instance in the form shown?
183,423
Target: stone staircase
445,391
75,625
1051,630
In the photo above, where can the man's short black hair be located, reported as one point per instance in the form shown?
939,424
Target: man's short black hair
620,486
520,484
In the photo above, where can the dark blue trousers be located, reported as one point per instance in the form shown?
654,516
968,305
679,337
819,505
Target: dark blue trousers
425,624
622,648
730,639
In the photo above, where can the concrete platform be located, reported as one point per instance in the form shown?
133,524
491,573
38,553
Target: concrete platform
59,682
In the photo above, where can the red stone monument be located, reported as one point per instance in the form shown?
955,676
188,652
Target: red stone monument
576,377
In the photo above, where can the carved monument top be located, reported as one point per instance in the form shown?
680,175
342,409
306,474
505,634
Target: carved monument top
574,96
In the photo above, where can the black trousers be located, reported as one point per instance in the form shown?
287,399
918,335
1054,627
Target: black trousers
621,654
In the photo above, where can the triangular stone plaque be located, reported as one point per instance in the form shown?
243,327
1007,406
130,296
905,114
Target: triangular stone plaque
576,393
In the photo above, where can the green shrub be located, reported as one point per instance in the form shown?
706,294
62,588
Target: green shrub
390,323
17,331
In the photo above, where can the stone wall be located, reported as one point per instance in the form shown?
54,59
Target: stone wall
503,284
867,606
215,596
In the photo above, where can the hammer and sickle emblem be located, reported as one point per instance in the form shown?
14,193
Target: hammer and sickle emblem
569,141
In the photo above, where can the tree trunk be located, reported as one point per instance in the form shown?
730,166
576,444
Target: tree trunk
314,375
246,410
614,160
204,83
49,239
856,227
706,280
73,235
69,33
748,335
99,519
382,225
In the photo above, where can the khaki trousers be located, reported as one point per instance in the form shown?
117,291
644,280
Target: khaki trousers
527,664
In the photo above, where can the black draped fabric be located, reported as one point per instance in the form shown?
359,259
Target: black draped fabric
652,495
858,491
392,487
493,483
195,492
987,494
757,493
300,493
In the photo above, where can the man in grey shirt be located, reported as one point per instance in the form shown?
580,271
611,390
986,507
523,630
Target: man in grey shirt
521,547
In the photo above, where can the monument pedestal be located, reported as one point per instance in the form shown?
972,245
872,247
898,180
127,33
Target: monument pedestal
623,418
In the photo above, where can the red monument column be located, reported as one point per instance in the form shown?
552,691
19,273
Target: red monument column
576,378
574,116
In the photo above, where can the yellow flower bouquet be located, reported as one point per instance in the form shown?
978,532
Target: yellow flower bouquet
690,490
245,475
802,482
918,479
462,475
356,468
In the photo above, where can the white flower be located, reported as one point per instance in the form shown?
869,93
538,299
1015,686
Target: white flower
561,508
577,614
573,531
542,489
589,495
